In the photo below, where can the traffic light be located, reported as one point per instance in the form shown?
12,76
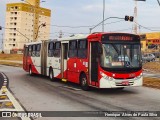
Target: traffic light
126,18
129,18
0,28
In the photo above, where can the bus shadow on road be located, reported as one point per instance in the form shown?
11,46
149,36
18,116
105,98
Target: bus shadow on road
77,87
113,91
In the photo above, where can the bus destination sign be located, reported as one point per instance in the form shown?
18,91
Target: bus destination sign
123,38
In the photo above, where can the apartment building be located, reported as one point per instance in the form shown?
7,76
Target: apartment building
25,23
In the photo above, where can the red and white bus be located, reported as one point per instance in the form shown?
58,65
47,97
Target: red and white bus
101,60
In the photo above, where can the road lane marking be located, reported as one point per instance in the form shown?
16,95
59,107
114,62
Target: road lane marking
72,88
7,100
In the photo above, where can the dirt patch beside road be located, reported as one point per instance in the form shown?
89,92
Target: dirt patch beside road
17,57
11,64
151,82
152,67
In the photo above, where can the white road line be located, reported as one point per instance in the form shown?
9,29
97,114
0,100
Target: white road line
72,88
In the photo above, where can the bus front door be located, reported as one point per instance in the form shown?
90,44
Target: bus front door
94,61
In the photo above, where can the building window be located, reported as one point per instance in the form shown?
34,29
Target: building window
16,13
14,45
15,18
12,8
16,7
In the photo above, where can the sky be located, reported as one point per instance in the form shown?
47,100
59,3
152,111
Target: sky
87,13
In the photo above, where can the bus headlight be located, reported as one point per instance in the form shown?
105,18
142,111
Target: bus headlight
140,76
105,76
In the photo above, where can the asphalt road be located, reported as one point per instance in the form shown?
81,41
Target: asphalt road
38,93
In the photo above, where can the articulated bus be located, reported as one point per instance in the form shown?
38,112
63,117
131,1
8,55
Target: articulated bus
101,60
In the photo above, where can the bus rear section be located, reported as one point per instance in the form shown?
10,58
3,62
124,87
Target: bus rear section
34,58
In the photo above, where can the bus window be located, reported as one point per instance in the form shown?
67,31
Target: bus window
82,49
72,49
30,50
34,50
57,49
50,49
38,49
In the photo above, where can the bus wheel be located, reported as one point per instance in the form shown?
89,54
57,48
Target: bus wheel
84,82
30,71
51,75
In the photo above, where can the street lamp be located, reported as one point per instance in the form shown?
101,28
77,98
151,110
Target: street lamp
127,18
41,25
34,16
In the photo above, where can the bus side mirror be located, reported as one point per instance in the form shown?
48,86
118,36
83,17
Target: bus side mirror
100,51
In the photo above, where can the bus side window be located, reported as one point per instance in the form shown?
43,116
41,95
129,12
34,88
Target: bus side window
57,49
82,49
51,49
30,50
38,49
34,51
72,49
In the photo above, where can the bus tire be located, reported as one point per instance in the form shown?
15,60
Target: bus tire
51,75
30,70
84,82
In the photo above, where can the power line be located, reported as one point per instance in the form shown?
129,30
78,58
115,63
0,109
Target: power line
70,26
145,27
66,26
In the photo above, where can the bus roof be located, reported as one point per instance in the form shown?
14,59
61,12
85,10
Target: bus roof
77,36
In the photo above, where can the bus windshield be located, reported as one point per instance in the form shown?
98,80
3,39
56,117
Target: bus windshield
121,56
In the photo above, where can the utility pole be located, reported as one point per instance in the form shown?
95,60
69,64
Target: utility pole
135,19
136,16
2,42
